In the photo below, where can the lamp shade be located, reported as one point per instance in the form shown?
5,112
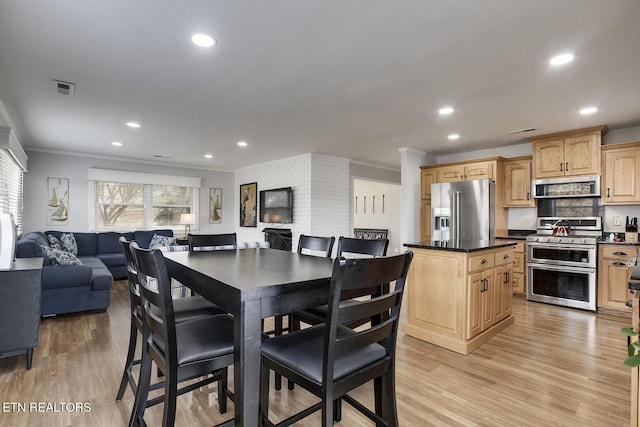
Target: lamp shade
187,219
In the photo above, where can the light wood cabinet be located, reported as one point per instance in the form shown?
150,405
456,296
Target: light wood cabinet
459,300
519,269
621,174
465,172
570,153
427,177
613,273
425,220
517,182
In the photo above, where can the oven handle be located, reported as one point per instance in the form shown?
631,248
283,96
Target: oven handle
561,246
561,268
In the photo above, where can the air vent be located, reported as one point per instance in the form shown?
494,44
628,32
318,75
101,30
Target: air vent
64,88
511,132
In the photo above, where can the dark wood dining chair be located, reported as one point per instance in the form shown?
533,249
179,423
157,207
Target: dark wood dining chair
331,359
186,308
198,242
201,347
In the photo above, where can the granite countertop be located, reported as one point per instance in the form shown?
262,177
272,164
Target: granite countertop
462,245
609,242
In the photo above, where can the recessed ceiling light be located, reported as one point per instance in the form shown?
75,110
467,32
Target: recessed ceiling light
116,144
453,136
203,40
242,144
133,124
561,59
208,156
445,111
588,110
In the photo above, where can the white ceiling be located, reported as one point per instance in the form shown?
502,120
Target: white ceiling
351,78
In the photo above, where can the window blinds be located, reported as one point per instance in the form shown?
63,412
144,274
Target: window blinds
11,175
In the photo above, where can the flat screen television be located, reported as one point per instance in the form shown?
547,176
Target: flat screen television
276,206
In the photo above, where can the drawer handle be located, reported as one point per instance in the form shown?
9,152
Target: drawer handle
620,253
484,261
619,264
505,257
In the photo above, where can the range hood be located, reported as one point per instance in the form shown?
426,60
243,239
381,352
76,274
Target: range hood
562,187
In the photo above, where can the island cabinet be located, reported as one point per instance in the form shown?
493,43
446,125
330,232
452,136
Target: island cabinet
570,153
517,182
613,272
459,299
621,174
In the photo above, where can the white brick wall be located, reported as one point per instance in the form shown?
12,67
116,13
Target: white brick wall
321,195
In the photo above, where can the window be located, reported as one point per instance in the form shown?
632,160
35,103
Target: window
122,206
11,188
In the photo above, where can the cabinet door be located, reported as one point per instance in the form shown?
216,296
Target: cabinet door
614,286
507,291
480,170
428,177
475,292
621,177
518,281
500,277
425,220
517,189
450,173
582,155
487,299
548,158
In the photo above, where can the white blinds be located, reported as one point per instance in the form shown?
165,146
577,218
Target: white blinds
11,187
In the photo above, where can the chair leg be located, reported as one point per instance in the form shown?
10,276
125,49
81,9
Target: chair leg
337,410
133,336
144,381
264,395
278,329
170,396
327,411
29,358
385,398
222,391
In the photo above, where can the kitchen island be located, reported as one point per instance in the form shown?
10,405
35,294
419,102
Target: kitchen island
459,293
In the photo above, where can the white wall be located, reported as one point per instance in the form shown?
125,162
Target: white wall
43,165
389,219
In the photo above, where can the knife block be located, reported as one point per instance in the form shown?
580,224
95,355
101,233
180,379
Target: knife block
631,237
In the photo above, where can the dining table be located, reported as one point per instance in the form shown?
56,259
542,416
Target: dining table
251,285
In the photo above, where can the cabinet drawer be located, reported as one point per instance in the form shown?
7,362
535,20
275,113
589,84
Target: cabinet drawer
621,252
505,257
520,247
481,262
519,263
519,283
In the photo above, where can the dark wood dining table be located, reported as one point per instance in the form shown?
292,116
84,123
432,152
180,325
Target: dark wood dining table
252,284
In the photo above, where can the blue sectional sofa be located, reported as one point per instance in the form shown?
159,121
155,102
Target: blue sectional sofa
73,288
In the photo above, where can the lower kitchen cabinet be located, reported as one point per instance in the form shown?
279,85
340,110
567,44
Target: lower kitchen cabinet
519,276
459,300
613,273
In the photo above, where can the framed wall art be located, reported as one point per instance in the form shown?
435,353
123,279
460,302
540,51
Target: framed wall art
249,205
215,205
57,201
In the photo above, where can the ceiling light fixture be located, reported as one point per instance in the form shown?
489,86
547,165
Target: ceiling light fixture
561,59
133,124
453,136
445,111
203,40
208,156
242,144
116,144
588,110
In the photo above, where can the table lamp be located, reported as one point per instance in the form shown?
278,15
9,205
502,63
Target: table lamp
187,219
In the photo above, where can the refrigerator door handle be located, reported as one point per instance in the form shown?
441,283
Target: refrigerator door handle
455,215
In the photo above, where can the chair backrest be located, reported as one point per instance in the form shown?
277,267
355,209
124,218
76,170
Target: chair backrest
370,275
155,291
374,247
212,241
315,243
132,276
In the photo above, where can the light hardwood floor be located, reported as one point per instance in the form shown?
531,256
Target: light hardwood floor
554,366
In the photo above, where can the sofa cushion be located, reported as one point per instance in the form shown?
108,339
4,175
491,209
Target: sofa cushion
108,242
101,278
59,257
29,245
87,242
143,238
65,276
69,243
112,260
159,241
54,242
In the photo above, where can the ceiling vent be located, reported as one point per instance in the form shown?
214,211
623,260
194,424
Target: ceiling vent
64,88
512,132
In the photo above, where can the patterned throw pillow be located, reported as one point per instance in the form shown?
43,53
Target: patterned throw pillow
160,242
69,243
54,243
58,257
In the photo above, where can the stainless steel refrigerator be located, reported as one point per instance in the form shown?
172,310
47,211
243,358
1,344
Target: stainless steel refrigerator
463,210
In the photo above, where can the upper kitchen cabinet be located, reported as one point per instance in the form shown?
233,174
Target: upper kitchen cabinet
570,153
621,174
465,171
427,177
517,182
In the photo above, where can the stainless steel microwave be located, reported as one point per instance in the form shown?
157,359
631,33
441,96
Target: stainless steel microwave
573,186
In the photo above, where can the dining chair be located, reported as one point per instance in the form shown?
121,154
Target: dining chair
331,359
186,308
201,347
209,242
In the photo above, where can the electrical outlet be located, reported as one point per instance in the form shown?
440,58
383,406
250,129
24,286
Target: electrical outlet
616,220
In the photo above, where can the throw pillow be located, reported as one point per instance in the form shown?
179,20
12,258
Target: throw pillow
54,243
58,257
159,242
69,243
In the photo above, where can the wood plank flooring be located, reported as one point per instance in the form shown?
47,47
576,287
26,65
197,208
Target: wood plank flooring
554,367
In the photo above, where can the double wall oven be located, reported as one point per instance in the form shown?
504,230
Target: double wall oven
562,255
